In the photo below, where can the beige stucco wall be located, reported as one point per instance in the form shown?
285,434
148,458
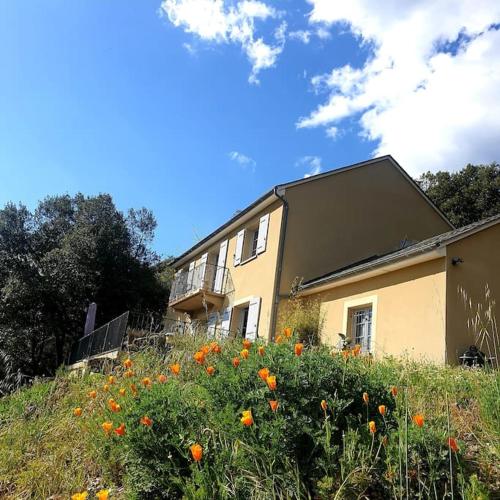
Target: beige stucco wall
342,218
408,310
480,253
254,278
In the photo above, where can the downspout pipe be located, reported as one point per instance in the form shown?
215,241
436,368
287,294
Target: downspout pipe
281,247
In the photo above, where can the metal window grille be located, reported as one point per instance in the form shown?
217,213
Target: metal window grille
362,328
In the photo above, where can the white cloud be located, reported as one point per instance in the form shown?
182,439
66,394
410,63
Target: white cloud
332,132
303,36
312,163
191,50
430,91
227,21
242,160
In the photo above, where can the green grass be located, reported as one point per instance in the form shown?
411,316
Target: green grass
295,453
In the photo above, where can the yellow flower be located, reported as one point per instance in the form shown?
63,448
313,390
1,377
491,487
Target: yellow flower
247,418
107,427
365,398
111,380
122,392
244,353
372,427
93,394
271,382
196,452
77,412
381,410
324,405
261,350
146,382
79,496
102,495
246,344
129,374
287,332
127,363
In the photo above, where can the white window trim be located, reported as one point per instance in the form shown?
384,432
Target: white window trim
370,300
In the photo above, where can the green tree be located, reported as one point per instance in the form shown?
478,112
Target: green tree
54,261
466,196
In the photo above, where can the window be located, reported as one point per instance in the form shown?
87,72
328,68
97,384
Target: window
361,327
250,243
243,321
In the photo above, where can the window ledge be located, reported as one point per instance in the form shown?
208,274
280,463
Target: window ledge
249,259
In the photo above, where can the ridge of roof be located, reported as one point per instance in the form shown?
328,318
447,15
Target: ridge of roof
277,190
420,247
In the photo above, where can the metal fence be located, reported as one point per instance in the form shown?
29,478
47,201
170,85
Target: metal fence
104,339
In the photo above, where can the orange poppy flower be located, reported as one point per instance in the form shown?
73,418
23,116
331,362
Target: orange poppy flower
246,344
365,398
161,378
115,407
146,421
199,357
324,405
79,496
175,368
452,443
381,410
215,347
133,388
298,348
105,387
102,495
264,373
205,349
271,382
418,420
273,404
111,380
261,350
287,332
107,426
196,452
120,430
146,382
93,394
345,354
210,370
247,418
127,363
77,412
236,362
122,392
128,374
356,350
394,391
279,339
244,353
372,427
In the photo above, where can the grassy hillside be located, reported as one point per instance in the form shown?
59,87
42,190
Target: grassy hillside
325,439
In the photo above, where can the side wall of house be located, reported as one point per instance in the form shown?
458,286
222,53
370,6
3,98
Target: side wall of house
254,278
339,219
473,285
408,311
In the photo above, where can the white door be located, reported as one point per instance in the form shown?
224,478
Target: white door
239,247
253,318
212,322
226,322
201,271
262,237
220,272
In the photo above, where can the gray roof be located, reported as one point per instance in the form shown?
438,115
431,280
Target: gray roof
409,251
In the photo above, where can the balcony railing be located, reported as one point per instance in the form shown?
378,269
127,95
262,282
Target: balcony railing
203,277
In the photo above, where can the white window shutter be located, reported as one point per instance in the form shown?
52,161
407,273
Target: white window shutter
253,318
202,269
220,272
190,277
226,322
239,247
211,323
262,237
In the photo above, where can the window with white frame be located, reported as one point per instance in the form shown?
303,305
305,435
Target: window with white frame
361,327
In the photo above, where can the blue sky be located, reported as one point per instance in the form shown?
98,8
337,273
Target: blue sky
105,96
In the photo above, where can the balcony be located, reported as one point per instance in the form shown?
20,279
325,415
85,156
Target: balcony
200,285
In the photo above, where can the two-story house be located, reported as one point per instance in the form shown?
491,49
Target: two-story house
235,278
